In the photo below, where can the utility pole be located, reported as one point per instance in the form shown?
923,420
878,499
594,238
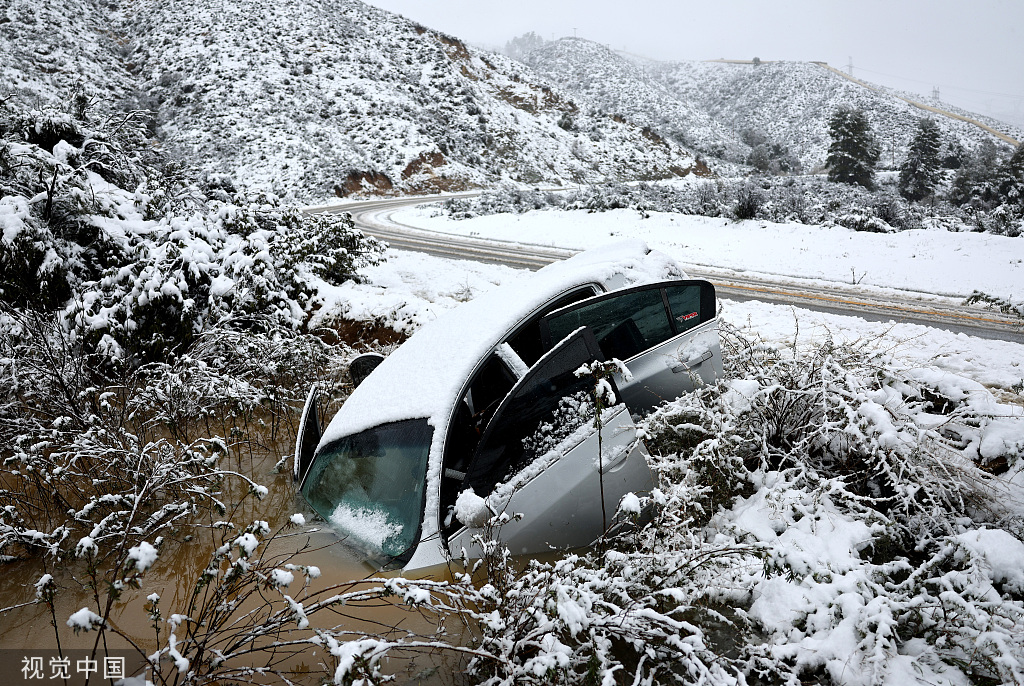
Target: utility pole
935,93
849,66
574,32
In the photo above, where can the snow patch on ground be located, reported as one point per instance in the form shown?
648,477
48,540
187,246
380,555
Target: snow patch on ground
926,261
991,363
411,289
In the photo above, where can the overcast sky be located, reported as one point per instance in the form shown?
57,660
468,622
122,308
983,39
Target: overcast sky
972,50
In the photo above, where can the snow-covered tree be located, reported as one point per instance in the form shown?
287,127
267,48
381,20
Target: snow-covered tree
854,152
773,158
138,262
920,172
521,46
1011,179
975,182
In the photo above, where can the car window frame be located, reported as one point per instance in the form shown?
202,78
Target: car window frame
534,317
544,310
595,354
708,306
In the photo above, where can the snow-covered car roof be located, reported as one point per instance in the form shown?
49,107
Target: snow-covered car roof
422,378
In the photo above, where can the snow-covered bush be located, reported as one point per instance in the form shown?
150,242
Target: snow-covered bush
1009,306
105,468
152,331
588,620
124,457
49,242
749,200
808,200
863,221
860,479
251,615
116,330
823,514
187,273
139,259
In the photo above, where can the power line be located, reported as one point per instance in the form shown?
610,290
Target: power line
944,85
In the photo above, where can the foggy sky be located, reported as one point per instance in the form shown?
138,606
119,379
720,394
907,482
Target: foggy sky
971,50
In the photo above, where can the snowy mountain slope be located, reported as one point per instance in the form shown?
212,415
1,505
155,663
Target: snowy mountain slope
611,82
46,49
720,108
338,96
316,99
936,106
791,102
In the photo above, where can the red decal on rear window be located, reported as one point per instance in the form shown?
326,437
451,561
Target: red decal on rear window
684,317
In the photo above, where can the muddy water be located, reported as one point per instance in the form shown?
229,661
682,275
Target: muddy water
28,628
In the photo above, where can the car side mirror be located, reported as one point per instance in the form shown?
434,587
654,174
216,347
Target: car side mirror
360,367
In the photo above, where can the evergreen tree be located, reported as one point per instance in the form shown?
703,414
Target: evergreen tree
953,154
1011,179
521,46
976,182
920,172
853,154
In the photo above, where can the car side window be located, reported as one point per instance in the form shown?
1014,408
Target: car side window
625,325
687,307
527,340
491,384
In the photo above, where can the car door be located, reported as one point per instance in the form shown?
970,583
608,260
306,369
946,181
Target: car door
557,486
666,334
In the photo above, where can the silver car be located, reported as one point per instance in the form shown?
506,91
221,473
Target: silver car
487,398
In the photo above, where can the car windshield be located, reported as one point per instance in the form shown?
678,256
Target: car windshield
370,486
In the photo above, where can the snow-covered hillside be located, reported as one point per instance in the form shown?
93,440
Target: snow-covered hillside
317,99
593,72
720,108
791,102
48,48
334,98
322,95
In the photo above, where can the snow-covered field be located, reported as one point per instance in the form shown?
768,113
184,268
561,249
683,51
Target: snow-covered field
411,288
925,261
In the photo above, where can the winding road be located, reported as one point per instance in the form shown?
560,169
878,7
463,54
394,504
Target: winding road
374,218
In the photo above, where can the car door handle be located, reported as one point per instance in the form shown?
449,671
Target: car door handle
677,367
611,462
